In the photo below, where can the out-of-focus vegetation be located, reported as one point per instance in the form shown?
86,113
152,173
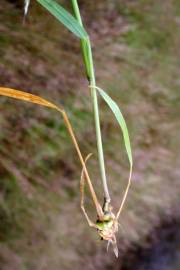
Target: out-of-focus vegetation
137,60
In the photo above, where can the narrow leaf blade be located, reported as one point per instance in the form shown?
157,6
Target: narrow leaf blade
9,92
64,17
120,119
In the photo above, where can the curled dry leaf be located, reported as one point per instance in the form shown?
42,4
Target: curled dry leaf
21,95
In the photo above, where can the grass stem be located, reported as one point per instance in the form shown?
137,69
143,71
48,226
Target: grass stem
88,60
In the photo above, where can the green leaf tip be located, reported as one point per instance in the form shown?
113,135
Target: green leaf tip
120,119
64,17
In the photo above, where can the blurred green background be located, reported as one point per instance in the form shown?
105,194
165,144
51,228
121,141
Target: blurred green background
136,46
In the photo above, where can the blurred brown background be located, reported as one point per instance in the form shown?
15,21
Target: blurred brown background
136,47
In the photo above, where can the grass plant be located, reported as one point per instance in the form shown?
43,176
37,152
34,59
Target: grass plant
107,221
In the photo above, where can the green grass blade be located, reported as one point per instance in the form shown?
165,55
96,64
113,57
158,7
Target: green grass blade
64,17
120,119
